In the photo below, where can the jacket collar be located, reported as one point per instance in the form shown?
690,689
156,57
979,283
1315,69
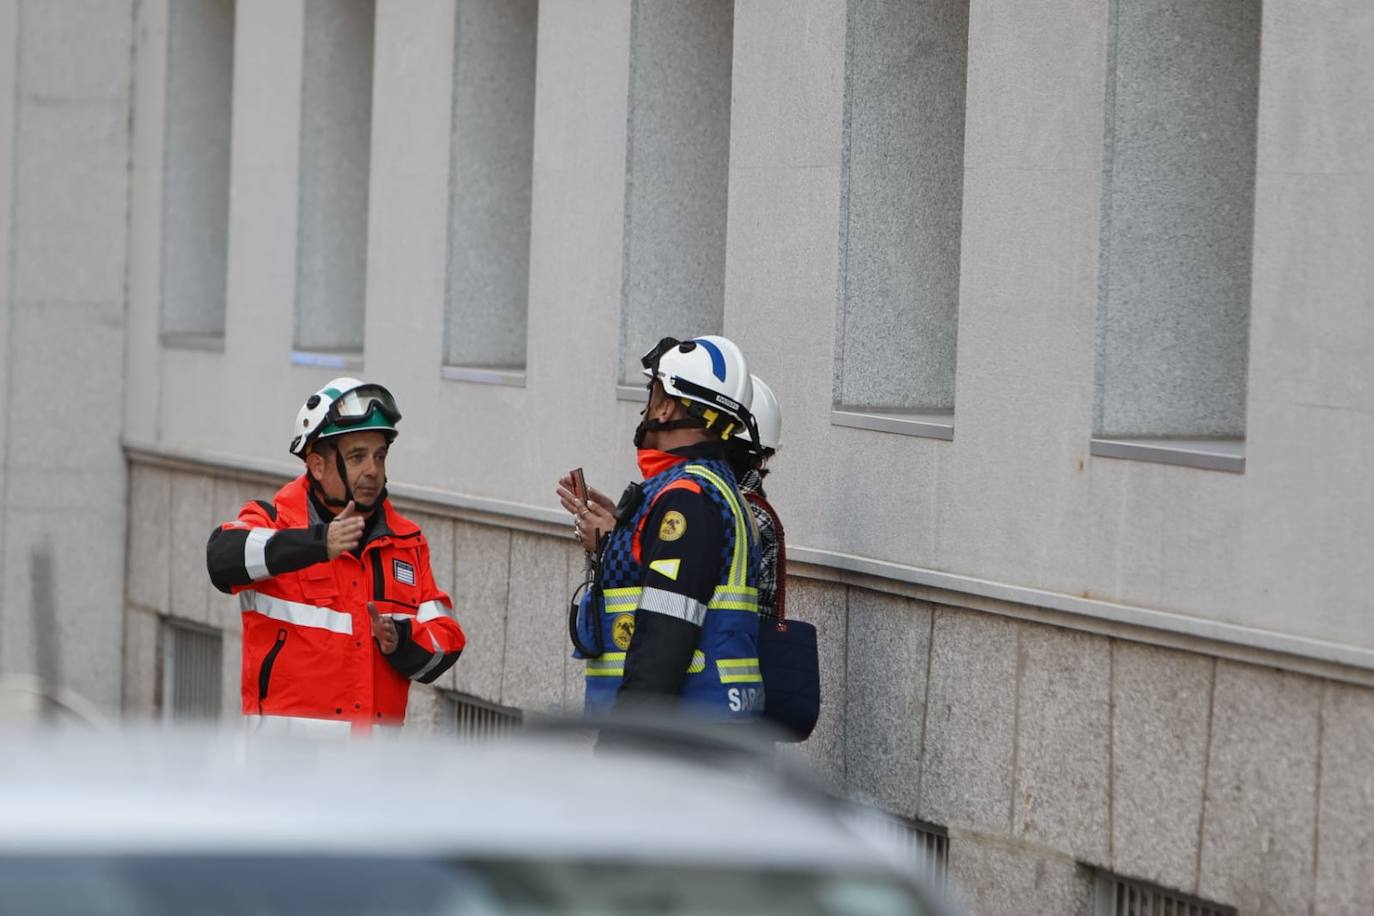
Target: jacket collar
652,462
385,522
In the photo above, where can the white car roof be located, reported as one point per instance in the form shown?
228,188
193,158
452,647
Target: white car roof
154,791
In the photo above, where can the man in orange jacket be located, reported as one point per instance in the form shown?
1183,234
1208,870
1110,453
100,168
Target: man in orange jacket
340,609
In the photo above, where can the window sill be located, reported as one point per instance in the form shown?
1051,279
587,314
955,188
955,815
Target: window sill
515,378
326,360
207,343
636,393
1207,454
926,424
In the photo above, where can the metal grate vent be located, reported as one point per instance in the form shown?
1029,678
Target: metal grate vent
1117,896
469,717
926,844
192,671
929,847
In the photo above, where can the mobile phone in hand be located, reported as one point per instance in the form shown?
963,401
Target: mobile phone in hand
579,485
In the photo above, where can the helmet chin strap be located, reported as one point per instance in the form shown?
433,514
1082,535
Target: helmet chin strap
653,426
333,503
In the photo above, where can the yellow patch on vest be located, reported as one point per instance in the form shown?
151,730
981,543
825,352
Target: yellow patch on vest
674,526
622,628
666,568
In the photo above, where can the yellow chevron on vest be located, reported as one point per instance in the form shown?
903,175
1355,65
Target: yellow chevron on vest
666,568
698,664
739,563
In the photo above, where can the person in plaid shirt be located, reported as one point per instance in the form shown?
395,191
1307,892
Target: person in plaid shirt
750,464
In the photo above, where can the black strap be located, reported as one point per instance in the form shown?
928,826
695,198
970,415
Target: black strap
594,606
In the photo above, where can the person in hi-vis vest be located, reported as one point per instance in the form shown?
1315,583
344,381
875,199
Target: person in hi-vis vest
672,608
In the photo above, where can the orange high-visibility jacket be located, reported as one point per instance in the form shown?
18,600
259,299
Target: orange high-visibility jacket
308,650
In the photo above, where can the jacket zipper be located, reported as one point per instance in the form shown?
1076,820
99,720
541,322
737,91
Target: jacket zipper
265,672
378,577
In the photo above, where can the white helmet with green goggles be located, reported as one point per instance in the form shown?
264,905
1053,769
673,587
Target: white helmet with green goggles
709,376
345,405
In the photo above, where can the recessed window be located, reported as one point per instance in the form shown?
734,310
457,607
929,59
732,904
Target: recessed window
192,671
901,215
491,168
1177,222
195,177
676,174
335,157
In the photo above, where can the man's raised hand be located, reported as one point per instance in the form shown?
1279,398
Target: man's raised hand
383,630
345,532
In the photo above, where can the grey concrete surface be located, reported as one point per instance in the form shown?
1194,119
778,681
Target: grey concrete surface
788,73
335,150
190,519
423,709
492,149
1062,781
71,173
677,171
1161,706
481,577
887,655
992,877
141,660
970,734
67,146
149,539
1259,816
903,195
536,631
1178,218
1345,831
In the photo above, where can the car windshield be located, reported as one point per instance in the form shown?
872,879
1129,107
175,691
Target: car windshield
300,886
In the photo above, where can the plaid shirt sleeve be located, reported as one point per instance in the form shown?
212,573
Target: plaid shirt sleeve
768,565
768,542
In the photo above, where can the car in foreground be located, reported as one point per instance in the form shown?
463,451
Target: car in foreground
647,819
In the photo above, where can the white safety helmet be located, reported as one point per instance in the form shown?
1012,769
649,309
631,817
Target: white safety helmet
710,374
345,405
767,414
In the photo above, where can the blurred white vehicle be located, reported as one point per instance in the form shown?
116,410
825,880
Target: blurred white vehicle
146,823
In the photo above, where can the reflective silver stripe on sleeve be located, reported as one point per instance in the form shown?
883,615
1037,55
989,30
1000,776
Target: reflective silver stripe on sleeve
302,615
255,553
431,610
674,605
434,659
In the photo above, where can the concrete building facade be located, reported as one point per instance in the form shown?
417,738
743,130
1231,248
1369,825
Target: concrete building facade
1069,305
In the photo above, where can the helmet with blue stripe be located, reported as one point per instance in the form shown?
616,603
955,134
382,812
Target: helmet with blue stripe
709,376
